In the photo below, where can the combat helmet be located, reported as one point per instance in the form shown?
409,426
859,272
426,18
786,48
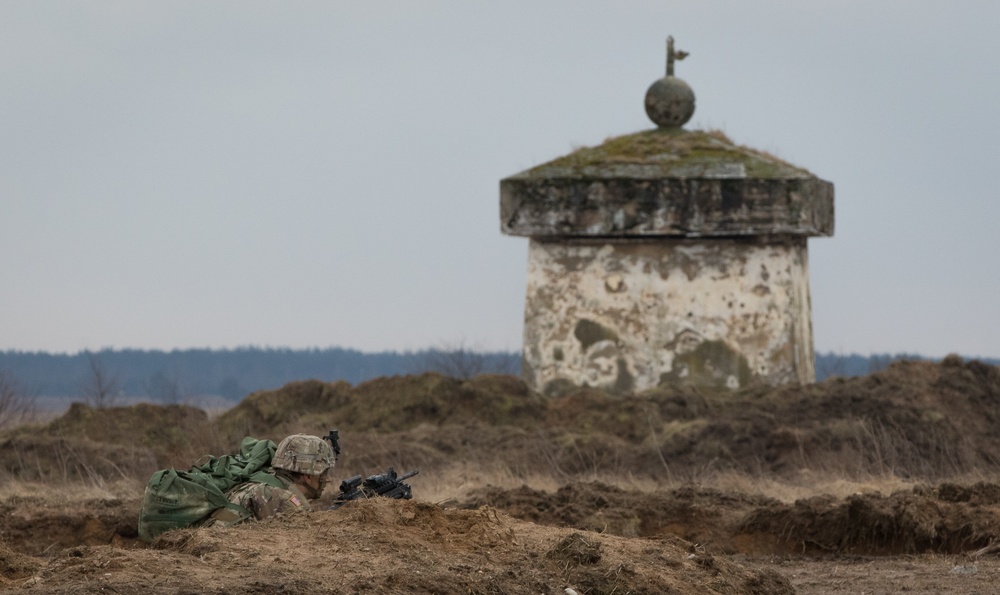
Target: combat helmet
303,453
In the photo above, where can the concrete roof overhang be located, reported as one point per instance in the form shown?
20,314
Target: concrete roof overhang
666,182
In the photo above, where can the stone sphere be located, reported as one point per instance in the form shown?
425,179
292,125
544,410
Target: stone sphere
669,102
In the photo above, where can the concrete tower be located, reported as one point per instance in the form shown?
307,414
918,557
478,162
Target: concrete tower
665,257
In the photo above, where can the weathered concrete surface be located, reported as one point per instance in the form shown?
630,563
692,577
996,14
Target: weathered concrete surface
666,183
629,315
667,256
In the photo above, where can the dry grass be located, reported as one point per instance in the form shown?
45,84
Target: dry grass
84,472
912,423
455,483
66,494
807,485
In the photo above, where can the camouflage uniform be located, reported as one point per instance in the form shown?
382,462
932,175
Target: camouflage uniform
299,453
262,500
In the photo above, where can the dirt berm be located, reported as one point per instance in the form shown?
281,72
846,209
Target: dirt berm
914,419
621,495
389,546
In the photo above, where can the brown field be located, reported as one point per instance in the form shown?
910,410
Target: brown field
881,484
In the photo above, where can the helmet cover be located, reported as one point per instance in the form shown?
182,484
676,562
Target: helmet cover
303,453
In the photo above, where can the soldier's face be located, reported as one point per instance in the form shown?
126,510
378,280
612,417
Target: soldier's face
324,479
312,486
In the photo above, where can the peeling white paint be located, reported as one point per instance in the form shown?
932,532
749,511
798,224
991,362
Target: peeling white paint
630,314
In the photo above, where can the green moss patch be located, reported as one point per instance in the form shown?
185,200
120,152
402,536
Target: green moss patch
665,153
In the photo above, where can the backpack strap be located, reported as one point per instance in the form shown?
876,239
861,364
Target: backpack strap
268,478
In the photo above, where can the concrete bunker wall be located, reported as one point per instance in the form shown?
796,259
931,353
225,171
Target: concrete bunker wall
629,315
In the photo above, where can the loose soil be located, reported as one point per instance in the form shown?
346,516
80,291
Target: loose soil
521,494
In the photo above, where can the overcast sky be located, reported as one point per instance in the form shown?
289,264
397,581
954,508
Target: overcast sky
314,174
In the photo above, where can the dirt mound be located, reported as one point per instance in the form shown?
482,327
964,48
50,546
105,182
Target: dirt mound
385,404
43,458
914,419
15,565
175,434
949,518
932,422
36,529
107,444
701,515
945,519
386,546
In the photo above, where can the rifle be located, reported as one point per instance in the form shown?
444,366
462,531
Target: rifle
387,485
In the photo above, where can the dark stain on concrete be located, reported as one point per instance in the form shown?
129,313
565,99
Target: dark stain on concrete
710,364
588,332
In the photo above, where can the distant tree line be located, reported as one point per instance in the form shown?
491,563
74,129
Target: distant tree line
102,377
106,377
833,364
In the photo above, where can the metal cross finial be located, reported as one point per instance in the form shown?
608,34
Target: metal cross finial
672,55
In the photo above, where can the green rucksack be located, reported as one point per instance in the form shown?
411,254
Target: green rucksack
175,499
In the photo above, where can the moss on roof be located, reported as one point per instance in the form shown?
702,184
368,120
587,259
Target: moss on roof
664,153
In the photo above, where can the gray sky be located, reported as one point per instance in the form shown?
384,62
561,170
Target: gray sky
312,174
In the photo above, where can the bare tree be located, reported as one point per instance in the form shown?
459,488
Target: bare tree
102,387
16,405
166,389
463,361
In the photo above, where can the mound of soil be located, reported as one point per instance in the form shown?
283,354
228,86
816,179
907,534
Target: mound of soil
15,566
917,420
39,457
35,527
108,444
914,419
949,518
391,546
384,405
701,515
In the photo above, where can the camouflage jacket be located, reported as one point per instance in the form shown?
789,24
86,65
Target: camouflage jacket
262,500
